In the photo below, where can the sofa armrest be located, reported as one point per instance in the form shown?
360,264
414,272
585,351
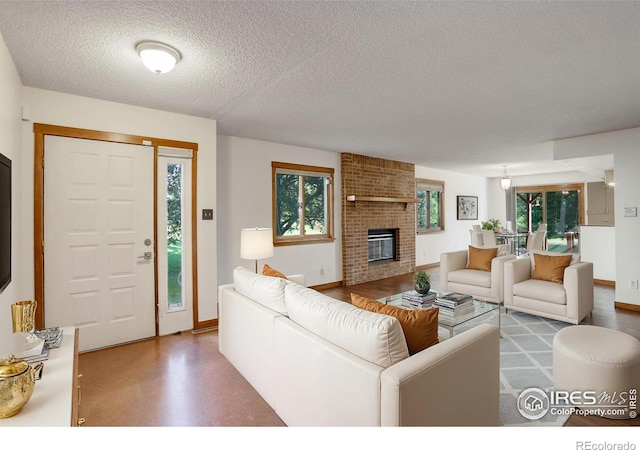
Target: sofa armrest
432,388
497,276
449,262
298,279
515,271
578,284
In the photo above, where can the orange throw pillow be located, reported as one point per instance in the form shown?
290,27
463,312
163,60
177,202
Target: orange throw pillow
420,326
550,268
271,272
480,258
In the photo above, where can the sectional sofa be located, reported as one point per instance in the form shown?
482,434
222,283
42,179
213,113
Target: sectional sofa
318,361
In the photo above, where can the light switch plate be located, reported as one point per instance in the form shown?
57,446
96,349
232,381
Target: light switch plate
207,214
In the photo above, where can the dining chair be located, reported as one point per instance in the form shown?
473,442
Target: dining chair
476,239
537,240
489,239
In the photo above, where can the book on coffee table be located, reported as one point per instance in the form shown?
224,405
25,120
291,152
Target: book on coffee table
455,297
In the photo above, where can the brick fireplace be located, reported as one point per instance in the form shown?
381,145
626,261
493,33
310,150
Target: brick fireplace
374,192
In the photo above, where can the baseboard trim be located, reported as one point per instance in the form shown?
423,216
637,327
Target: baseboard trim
604,282
206,325
626,306
204,330
321,287
428,266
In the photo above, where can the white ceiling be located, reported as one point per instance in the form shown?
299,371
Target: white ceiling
466,86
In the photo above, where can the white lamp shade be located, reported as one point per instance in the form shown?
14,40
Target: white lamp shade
256,243
159,58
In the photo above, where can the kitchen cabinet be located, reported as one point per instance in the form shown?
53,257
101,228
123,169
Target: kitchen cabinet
600,209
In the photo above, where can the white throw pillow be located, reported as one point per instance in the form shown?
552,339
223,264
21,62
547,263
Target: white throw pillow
262,289
374,337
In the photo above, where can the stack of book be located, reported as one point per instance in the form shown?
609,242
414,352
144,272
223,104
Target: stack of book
37,353
453,305
417,300
42,356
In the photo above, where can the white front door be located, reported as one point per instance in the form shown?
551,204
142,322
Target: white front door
98,227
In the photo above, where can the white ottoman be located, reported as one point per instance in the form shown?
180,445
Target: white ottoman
589,358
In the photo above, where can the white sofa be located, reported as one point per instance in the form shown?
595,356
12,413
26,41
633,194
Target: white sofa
318,361
569,301
455,277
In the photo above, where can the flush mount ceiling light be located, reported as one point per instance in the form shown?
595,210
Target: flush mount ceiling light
159,58
505,179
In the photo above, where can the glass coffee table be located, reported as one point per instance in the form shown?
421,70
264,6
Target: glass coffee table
481,307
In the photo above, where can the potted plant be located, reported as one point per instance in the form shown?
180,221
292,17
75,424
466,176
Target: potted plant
491,224
422,282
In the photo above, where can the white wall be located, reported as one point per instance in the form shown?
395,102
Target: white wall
456,233
10,124
244,201
598,245
73,111
625,146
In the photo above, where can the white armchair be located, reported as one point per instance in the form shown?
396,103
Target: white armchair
456,277
569,300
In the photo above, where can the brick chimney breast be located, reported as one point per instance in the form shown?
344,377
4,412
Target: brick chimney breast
365,176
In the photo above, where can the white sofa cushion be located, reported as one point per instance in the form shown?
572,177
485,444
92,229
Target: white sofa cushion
262,289
471,276
539,289
374,337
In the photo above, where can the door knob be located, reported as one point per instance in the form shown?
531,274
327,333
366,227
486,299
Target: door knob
147,256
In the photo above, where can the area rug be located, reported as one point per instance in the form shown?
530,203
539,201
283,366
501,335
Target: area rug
526,361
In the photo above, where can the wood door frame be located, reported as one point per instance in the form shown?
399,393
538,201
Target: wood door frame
40,131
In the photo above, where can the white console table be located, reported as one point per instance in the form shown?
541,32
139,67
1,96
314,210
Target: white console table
54,402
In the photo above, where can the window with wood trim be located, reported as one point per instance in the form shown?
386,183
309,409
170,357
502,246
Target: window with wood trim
302,203
430,207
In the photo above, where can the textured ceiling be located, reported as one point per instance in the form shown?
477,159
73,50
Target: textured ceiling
468,86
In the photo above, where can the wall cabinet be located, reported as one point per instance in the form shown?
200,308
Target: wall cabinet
600,209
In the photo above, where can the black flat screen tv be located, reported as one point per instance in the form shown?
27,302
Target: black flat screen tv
5,222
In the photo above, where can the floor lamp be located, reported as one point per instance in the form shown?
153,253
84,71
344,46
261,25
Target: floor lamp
256,243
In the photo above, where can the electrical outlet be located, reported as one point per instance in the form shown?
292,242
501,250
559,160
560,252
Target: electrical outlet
633,284
321,270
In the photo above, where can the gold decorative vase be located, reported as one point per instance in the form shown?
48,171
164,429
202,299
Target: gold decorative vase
17,381
23,316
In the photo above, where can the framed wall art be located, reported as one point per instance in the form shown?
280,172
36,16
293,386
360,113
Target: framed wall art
467,207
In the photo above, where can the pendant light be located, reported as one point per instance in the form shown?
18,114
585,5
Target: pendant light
505,180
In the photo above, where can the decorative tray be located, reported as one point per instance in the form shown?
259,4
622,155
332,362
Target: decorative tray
52,336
